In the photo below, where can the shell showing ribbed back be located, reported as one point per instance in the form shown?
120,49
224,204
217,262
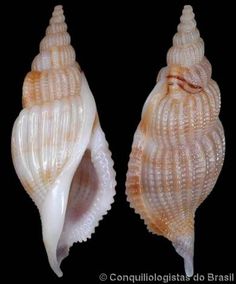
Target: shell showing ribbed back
178,148
59,150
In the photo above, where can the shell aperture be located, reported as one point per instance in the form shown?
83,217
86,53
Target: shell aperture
59,150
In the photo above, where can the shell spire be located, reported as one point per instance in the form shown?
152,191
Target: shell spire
55,48
54,71
188,46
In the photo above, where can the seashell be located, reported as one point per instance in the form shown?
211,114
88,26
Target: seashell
59,150
178,148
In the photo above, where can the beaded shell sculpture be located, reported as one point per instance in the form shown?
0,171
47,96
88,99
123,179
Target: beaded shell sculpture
59,150
178,148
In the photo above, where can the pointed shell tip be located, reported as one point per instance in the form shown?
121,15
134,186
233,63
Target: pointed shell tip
188,267
58,10
58,272
188,8
58,7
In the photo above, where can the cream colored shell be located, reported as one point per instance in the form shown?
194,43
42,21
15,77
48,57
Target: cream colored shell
59,150
178,148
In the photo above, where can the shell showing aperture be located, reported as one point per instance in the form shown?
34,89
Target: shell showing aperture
59,150
178,148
